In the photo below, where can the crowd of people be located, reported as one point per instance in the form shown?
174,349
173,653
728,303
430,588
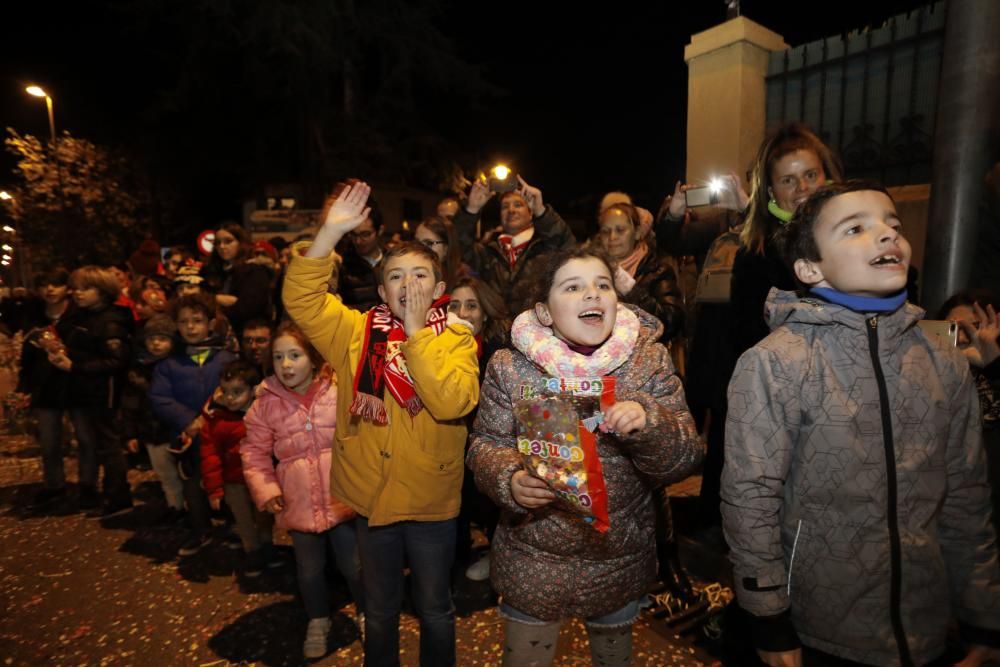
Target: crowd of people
376,396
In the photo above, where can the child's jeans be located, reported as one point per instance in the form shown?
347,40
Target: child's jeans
310,559
528,640
199,511
97,434
429,548
254,528
165,466
50,437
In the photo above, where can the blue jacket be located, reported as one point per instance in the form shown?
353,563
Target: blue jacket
181,387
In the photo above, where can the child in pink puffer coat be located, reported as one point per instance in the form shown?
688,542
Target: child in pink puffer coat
293,420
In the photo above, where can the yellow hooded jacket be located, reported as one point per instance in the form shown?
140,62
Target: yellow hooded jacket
411,468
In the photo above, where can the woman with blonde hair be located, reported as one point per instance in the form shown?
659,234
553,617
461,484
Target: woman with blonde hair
791,164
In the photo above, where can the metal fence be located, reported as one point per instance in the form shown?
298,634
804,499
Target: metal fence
870,95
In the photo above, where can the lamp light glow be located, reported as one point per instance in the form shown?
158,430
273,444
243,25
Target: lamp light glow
36,91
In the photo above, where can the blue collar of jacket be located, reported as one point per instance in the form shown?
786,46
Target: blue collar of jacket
861,304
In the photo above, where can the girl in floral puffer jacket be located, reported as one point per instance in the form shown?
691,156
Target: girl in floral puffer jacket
547,563
293,420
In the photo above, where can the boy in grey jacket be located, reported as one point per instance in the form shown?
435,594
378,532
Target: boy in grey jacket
854,494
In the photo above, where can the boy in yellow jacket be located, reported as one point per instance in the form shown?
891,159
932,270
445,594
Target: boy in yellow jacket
406,375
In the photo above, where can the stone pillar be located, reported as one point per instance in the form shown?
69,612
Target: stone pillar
967,127
726,96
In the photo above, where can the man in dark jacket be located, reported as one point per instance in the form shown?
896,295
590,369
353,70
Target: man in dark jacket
511,262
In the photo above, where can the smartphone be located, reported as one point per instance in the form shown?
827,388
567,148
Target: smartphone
701,196
502,185
943,329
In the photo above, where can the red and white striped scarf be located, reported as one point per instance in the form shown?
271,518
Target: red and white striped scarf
382,361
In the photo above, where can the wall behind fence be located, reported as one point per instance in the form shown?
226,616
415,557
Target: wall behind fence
870,95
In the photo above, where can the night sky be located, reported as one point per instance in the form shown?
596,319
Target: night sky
590,98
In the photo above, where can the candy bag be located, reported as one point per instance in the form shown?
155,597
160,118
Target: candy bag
556,424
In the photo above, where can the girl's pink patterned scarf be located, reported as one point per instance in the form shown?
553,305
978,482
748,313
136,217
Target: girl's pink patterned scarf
537,342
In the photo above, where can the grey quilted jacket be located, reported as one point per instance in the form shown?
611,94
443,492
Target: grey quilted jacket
867,556
548,563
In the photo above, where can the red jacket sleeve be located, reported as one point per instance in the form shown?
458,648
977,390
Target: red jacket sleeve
211,461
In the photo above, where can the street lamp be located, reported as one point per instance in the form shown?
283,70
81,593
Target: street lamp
5,195
38,92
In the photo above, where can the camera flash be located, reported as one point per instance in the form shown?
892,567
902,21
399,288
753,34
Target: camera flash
501,172
715,184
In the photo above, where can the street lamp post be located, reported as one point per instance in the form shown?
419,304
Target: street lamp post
38,92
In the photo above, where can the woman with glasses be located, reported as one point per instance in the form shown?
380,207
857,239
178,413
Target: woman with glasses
439,235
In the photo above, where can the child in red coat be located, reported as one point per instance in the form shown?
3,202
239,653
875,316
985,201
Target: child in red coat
222,469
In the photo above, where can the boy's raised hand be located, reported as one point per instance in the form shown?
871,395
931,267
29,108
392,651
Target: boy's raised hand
348,210
341,215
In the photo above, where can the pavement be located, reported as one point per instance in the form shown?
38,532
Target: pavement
82,591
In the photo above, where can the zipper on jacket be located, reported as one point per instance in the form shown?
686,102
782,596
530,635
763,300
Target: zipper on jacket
895,581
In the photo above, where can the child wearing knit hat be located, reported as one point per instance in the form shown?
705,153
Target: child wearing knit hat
140,427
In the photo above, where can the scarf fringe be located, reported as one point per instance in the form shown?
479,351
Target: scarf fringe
414,405
369,407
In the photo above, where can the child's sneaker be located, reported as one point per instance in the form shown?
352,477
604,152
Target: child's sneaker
46,497
316,634
193,544
112,508
480,570
272,557
253,566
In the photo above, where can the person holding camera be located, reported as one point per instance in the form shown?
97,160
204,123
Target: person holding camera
532,230
688,224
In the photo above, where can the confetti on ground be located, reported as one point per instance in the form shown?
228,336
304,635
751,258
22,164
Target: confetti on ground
115,594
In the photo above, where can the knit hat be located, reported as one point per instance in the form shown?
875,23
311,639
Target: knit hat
266,248
159,325
146,260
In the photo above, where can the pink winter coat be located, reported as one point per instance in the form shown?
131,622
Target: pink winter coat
300,437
